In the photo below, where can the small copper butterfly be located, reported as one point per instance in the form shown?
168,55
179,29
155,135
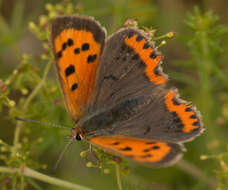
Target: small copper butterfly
115,91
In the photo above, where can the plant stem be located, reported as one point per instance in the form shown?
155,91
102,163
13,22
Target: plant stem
118,177
28,100
22,183
42,177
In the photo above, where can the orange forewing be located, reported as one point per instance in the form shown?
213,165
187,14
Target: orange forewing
139,150
84,75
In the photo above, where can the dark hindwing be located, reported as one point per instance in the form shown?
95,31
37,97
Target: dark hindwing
164,117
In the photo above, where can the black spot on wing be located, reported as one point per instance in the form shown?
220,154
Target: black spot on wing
70,42
85,47
146,45
91,58
127,148
193,116
153,55
74,86
196,123
69,70
147,150
155,147
59,54
139,38
64,46
115,143
77,50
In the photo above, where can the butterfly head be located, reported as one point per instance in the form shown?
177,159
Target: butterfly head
76,134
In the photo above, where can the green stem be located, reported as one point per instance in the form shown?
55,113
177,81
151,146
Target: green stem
160,37
42,177
22,183
28,100
118,177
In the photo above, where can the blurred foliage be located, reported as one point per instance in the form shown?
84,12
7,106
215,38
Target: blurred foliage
207,46
196,62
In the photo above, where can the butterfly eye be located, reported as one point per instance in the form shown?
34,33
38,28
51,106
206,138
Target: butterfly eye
78,137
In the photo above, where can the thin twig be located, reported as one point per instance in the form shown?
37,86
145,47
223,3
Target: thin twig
118,177
42,177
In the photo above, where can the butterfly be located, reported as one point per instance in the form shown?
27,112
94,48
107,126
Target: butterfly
115,91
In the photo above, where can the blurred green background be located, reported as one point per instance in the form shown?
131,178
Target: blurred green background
196,60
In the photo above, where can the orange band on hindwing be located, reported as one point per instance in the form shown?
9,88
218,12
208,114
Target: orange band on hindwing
77,55
185,112
148,56
137,149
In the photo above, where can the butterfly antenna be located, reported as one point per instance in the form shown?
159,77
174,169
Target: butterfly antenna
42,123
61,156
